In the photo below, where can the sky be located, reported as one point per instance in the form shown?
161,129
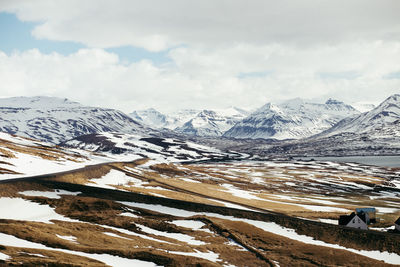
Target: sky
175,54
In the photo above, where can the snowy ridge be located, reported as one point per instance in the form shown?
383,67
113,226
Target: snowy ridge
159,149
293,119
55,119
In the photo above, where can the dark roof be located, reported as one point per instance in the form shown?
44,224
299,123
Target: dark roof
345,219
398,221
358,210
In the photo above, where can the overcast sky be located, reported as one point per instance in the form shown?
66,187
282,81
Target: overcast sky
174,54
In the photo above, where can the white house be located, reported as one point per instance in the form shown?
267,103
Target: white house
397,224
353,220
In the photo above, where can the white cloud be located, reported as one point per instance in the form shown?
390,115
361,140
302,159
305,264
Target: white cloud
204,79
159,24
224,52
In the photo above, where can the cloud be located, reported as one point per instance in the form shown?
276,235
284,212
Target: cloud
200,78
225,52
157,24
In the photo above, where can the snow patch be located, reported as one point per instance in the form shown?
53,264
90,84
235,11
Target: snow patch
22,209
48,194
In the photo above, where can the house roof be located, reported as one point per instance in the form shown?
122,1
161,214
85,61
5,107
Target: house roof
345,219
398,221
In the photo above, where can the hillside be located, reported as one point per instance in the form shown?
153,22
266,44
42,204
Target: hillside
21,157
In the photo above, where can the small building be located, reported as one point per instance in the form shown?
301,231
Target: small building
354,220
370,214
397,225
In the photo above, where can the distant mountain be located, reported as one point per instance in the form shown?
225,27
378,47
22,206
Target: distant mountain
212,122
376,132
55,120
192,122
293,119
383,118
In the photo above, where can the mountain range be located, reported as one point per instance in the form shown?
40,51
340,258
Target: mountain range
289,127
376,132
206,122
291,119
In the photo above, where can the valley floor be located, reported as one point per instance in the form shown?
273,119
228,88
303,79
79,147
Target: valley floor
281,213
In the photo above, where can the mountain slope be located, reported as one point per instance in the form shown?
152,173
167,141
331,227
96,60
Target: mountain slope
292,119
55,120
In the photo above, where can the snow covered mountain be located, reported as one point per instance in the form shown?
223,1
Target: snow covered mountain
55,120
380,120
192,122
376,132
292,119
212,122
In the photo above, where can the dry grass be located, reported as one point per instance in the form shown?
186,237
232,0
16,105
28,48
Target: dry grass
83,176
